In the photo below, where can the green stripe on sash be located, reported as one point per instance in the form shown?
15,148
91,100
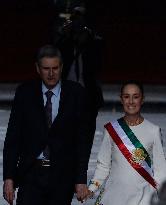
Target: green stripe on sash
134,139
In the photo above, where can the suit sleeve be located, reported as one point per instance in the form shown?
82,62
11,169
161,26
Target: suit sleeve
84,138
12,140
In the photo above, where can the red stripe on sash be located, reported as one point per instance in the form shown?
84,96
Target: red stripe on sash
128,155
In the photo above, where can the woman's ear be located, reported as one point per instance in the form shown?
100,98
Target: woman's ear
121,99
143,100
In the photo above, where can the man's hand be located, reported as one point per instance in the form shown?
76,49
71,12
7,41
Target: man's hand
8,191
82,192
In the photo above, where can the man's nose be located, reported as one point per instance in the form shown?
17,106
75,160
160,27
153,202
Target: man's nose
50,71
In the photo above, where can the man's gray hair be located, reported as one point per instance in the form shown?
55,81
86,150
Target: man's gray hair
48,51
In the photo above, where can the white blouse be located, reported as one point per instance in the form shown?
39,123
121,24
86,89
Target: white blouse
124,185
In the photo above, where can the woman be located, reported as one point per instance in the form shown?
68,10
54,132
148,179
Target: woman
131,157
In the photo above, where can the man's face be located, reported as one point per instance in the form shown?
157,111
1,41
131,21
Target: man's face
50,70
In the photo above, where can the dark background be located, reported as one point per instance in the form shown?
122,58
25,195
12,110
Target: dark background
134,38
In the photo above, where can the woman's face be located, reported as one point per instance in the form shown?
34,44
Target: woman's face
132,99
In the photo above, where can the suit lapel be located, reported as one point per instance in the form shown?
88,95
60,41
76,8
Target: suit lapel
40,104
62,101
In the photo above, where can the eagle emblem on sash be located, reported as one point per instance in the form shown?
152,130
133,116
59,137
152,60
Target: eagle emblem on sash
138,156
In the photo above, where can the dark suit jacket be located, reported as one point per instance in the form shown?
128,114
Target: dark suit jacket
68,138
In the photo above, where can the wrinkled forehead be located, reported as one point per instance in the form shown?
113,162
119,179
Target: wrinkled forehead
50,60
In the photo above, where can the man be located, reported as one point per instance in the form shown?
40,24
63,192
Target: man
47,144
81,49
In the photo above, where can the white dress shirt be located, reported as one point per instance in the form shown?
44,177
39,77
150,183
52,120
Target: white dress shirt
54,100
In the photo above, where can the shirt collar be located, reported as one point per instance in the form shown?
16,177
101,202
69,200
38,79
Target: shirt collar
55,90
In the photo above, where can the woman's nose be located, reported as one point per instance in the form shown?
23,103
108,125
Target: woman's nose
130,100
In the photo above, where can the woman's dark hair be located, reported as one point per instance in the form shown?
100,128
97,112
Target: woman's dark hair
132,82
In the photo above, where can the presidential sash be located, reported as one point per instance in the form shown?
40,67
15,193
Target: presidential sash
132,149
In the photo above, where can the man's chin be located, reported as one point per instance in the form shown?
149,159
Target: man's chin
51,85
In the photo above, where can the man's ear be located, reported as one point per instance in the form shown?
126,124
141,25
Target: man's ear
61,67
37,68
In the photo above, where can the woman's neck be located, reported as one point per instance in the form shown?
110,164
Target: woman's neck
133,120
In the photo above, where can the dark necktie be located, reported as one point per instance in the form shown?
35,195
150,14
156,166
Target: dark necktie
48,110
48,107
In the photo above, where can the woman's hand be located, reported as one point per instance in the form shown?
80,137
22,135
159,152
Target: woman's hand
90,194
